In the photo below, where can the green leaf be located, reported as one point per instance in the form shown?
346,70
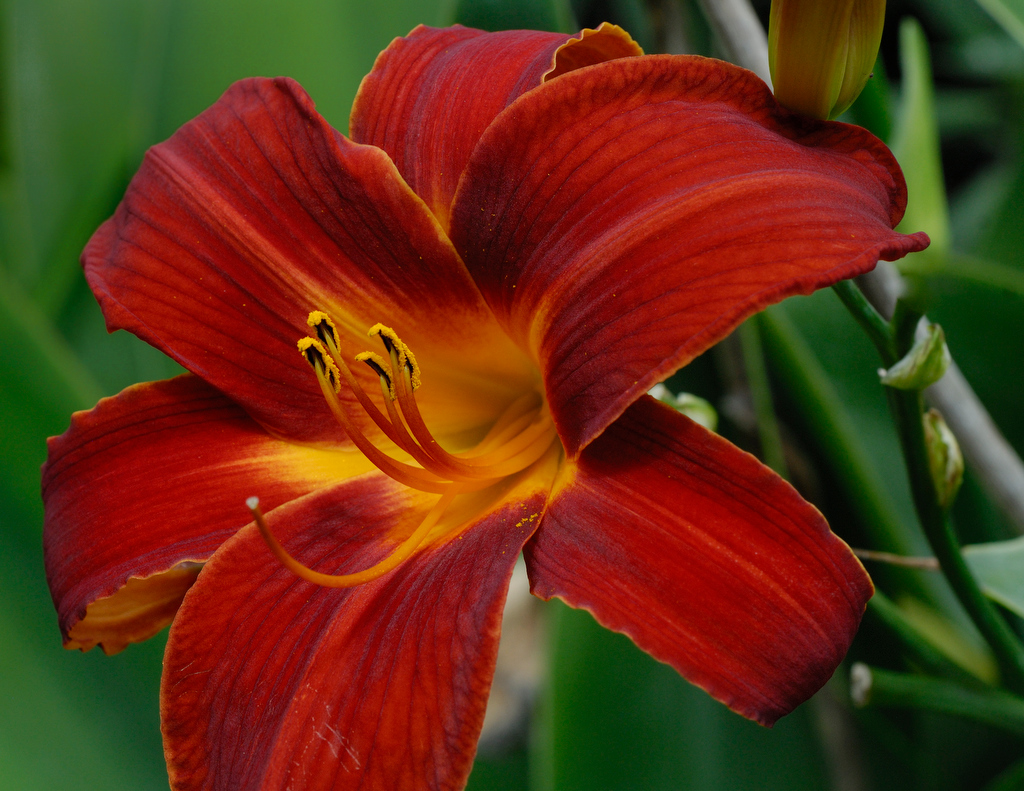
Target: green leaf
328,46
1009,14
636,19
982,327
873,686
554,15
1002,235
915,143
872,108
72,70
967,267
41,384
999,567
507,772
63,714
828,371
1010,780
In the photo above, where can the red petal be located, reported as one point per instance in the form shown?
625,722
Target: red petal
705,558
621,219
431,94
256,213
149,479
271,681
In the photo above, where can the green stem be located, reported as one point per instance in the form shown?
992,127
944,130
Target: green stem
760,392
821,408
871,686
918,649
907,407
868,318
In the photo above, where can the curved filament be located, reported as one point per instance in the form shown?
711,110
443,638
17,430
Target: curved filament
517,439
401,553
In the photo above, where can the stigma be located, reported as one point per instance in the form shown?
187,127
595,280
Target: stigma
520,436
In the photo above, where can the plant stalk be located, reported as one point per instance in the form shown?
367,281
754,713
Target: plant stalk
871,686
772,452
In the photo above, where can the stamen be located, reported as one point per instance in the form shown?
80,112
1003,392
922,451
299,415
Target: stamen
401,355
514,414
422,445
326,331
401,435
519,437
376,362
321,324
413,477
402,553
498,438
316,355
523,448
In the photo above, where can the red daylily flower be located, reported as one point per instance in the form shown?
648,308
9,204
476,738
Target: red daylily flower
549,225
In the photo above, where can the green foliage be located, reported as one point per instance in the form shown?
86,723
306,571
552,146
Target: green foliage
999,566
1009,14
555,15
915,143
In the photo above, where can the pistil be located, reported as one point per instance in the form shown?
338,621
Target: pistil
518,438
400,555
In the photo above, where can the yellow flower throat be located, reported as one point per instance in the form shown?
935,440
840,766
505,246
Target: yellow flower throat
519,437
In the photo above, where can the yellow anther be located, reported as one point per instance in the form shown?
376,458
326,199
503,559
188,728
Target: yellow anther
380,367
399,352
321,324
520,436
414,369
316,355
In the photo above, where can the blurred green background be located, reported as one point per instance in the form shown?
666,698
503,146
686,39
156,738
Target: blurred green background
87,85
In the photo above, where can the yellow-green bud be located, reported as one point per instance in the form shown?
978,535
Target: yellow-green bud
821,52
694,407
924,364
945,460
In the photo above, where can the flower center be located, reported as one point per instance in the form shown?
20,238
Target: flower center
518,438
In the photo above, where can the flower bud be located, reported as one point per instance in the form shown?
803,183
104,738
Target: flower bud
945,460
924,364
821,52
694,407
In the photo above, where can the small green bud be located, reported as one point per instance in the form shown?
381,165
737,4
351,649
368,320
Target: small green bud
924,364
694,407
821,52
945,460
